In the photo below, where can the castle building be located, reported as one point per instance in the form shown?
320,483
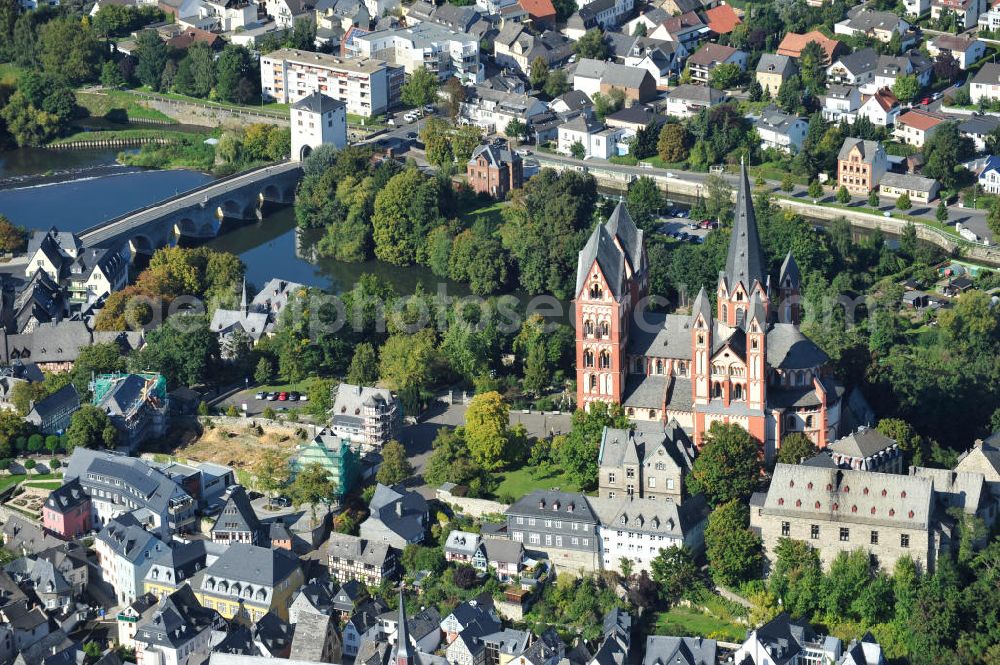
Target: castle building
746,362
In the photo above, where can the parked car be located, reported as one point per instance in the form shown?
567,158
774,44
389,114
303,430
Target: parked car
281,501
272,397
293,396
670,175
282,397
260,395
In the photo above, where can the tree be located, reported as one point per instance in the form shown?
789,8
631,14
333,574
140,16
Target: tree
515,129
592,45
536,370
728,466
812,67
790,94
312,485
577,451
90,427
675,573
993,218
672,145
555,83
843,196
906,88
364,365
815,190
29,125
903,202
732,549
945,151
644,201
68,48
151,58
455,95
787,182
96,359
643,145
577,150
237,79
421,88
12,238
796,447
725,76
264,371
756,91
184,350
408,362
486,430
538,73
873,200
270,472
111,75
941,214
406,210
395,466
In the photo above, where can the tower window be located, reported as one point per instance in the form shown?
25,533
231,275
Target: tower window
595,292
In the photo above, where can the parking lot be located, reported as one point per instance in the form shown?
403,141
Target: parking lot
679,228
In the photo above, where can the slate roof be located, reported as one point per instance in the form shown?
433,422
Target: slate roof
398,509
872,20
777,120
462,542
650,515
979,125
238,516
21,536
908,181
745,260
357,549
309,639
575,100
788,348
66,497
503,551
865,442
601,247
611,73
319,103
662,335
867,148
252,565
495,155
151,486
988,75
644,443
697,93
176,620
549,503
126,538
841,495
663,650
776,64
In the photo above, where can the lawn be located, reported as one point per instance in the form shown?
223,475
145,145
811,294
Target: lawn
113,103
689,621
45,484
520,482
489,217
130,134
13,479
9,71
273,107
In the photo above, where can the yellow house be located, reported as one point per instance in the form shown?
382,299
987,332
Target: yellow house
248,581
773,70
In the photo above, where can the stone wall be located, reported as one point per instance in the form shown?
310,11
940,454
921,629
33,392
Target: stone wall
471,507
190,113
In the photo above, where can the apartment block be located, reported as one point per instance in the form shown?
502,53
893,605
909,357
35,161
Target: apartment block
426,45
368,87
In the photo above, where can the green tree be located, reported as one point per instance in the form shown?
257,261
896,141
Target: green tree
797,577
184,350
812,67
725,76
843,196
102,358
515,129
90,427
555,83
395,466
672,145
732,549
592,45
69,49
873,200
151,58
536,370
538,73
941,214
264,371
993,218
676,574
795,447
408,362
364,365
27,124
815,190
237,76
311,486
903,202
420,89
728,466
787,182
406,210
111,75
906,88
486,430
644,201
908,240
577,150
577,451
944,151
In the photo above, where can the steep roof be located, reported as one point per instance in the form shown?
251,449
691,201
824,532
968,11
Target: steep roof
788,348
776,64
722,19
622,227
317,102
868,149
238,515
745,260
793,44
610,259
664,650
864,442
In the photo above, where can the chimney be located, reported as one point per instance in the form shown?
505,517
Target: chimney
978,443
399,508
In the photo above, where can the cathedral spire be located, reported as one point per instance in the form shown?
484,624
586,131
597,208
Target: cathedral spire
745,261
243,299
402,636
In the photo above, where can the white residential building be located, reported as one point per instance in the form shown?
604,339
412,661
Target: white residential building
317,120
966,50
597,141
434,47
890,68
966,12
789,642
494,109
990,20
780,130
228,16
989,177
915,126
986,83
176,631
687,101
856,69
916,8
660,58
125,551
368,87
841,103
286,12
604,14
877,25
881,109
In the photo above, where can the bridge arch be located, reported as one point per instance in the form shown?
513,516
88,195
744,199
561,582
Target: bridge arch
141,244
305,152
230,208
207,230
185,227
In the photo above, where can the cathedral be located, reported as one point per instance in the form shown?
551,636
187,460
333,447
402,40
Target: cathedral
744,361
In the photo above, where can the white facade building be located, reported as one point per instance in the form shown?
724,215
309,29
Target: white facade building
317,120
427,45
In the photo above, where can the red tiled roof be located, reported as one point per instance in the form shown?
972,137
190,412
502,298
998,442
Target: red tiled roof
921,120
538,8
191,36
793,43
886,99
722,19
711,53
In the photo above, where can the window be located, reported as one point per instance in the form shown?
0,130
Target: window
548,539
814,531
786,529
534,538
520,520
874,537
652,483
574,541
904,540
670,483
611,477
845,534
548,524
630,472
559,541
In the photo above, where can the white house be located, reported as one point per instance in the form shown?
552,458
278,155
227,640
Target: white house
780,130
856,69
915,126
916,8
989,177
605,14
286,12
687,101
881,109
986,83
660,58
890,68
228,16
841,103
177,630
978,127
597,140
125,551
493,109
918,188
317,120
966,50
794,640
966,12
877,25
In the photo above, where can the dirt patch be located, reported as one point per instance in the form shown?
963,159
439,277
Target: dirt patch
239,447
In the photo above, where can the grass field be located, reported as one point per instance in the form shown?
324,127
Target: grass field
45,484
7,481
273,107
520,482
489,217
689,621
9,72
113,103
131,134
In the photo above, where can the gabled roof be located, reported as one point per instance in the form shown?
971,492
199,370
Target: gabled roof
711,54
176,620
776,64
859,62
622,227
793,44
551,503
920,120
722,19
663,650
868,149
238,516
745,259
319,103
66,398
610,259
864,442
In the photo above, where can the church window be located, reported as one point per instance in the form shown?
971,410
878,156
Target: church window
741,315
716,389
701,338
739,296
588,327
595,292
659,366
754,344
604,329
682,369
605,360
652,414
737,391
588,358
809,421
593,382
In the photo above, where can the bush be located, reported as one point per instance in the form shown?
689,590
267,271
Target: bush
465,577
30,464
5,464
545,404
55,464
35,443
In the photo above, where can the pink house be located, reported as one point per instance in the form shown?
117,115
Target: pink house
67,511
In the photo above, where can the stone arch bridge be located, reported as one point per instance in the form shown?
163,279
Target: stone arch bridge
200,213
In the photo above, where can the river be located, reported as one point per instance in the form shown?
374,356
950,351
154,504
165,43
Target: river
75,189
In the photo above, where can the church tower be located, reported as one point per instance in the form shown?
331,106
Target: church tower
402,635
701,343
789,280
745,272
756,354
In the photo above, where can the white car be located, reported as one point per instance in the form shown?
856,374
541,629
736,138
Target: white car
670,175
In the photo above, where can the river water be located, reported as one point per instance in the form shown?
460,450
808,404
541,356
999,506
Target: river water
75,189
